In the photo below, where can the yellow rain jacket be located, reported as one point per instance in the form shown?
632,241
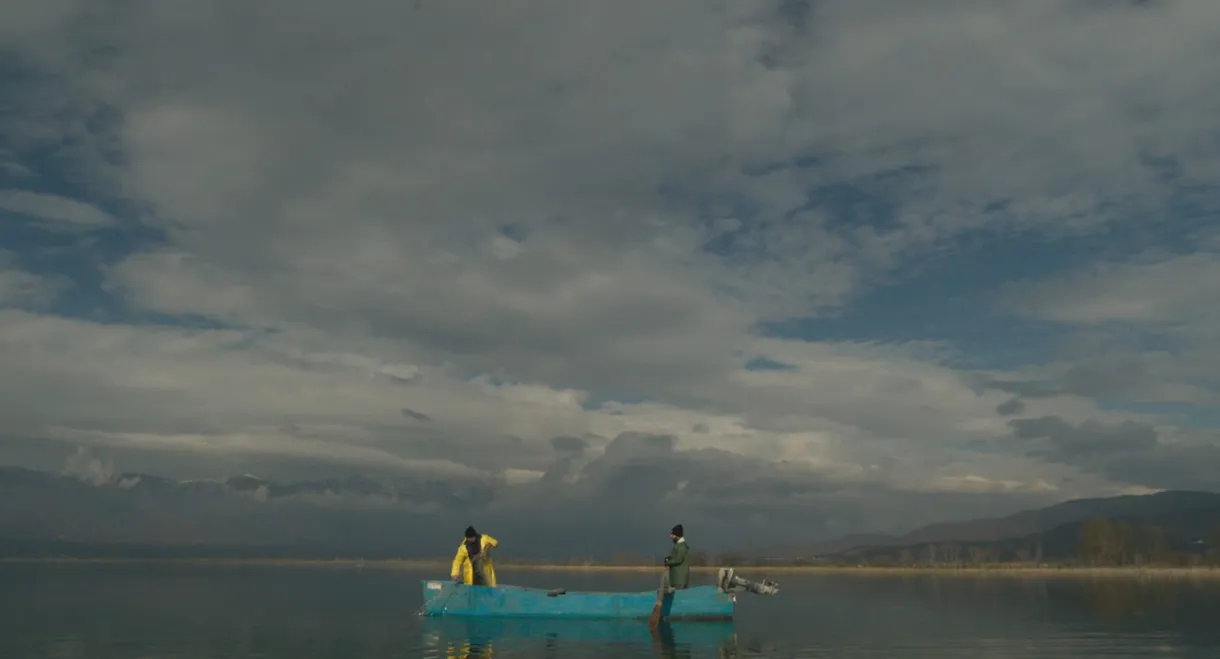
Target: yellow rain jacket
462,566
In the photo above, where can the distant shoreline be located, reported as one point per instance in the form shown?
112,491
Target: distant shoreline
999,570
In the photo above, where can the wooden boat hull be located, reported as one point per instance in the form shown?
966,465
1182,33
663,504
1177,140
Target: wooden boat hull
445,598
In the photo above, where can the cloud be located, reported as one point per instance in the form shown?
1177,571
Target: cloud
1128,451
1085,439
142,390
751,85
1010,407
1155,289
569,445
84,466
562,261
22,289
10,167
412,414
52,208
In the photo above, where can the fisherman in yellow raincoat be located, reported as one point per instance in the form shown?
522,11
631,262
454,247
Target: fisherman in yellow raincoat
474,549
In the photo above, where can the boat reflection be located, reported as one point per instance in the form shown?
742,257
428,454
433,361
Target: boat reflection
468,638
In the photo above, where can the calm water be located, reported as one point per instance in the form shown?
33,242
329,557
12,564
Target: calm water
133,612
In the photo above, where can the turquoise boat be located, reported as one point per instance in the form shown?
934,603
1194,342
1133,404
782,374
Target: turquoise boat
446,598
454,599
521,631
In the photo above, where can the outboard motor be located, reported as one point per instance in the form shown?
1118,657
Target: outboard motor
729,582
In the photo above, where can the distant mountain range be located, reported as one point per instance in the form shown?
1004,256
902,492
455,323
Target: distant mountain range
1189,521
140,515
44,513
98,514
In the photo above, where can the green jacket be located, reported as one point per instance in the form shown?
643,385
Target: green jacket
679,564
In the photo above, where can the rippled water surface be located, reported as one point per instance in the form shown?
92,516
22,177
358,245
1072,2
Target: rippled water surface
146,612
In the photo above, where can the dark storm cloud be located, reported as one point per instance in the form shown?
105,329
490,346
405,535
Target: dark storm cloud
1124,377
1193,467
1127,374
569,445
1010,407
1086,439
1127,452
412,414
1080,380
1033,389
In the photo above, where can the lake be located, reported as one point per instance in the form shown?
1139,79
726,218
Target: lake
179,611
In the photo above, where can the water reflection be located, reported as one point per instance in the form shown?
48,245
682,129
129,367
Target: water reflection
1120,600
186,613
467,638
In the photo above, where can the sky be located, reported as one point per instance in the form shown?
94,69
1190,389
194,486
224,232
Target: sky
821,266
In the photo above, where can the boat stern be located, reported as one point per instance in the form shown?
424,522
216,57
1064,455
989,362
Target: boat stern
702,603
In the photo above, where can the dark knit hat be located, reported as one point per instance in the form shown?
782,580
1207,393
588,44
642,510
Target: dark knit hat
677,530
470,532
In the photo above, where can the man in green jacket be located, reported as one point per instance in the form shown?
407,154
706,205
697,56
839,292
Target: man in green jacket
677,561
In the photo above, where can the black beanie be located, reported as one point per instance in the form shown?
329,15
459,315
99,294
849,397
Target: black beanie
470,532
677,530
